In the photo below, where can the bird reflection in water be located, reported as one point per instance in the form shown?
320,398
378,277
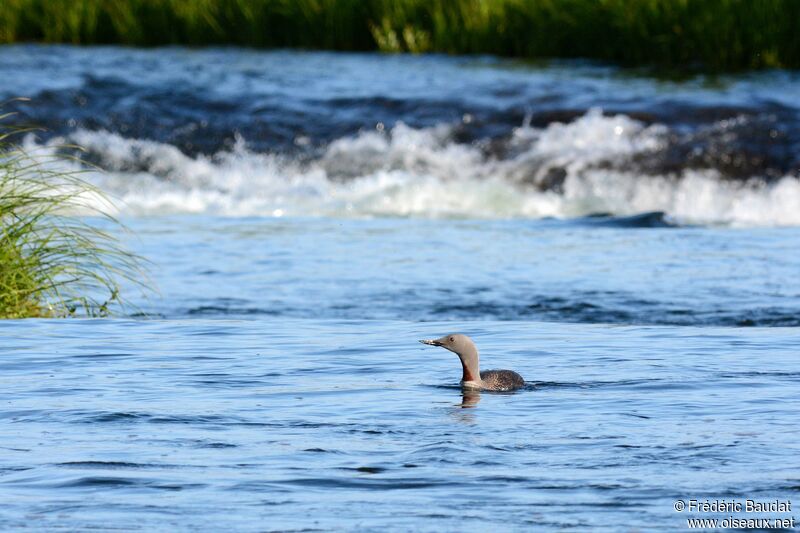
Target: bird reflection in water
470,398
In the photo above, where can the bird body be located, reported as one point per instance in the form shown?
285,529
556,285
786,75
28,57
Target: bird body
472,377
501,380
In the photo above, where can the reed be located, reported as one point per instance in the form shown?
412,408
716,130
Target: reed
54,264
713,34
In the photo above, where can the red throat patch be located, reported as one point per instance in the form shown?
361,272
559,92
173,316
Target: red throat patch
466,375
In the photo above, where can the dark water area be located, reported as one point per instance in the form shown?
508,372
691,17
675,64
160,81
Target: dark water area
628,244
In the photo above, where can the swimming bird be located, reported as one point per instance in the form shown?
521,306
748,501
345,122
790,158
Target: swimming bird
472,377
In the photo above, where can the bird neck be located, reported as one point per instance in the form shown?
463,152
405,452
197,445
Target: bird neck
467,375
470,367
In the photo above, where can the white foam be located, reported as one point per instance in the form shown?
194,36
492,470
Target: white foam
422,173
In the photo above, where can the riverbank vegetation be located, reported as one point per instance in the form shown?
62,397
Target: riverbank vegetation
54,264
712,34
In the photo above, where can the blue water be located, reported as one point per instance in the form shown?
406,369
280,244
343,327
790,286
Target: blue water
627,244
596,270
291,424
308,424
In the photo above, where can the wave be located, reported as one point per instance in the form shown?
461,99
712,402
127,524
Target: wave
564,170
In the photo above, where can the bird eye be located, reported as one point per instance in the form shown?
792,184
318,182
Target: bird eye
452,339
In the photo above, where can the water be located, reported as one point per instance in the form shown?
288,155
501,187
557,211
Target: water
283,424
627,244
594,270
246,133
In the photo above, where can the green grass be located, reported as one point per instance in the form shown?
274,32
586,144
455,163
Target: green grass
713,34
54,264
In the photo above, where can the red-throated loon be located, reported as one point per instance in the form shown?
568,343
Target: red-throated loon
472,377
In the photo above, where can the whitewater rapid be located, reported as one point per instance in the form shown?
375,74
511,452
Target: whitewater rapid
562,170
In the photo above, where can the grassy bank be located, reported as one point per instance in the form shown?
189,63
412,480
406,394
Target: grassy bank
53,264
714,34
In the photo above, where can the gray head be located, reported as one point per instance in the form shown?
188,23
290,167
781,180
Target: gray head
465,349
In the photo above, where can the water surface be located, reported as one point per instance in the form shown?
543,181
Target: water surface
628,244
298,424
250,133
